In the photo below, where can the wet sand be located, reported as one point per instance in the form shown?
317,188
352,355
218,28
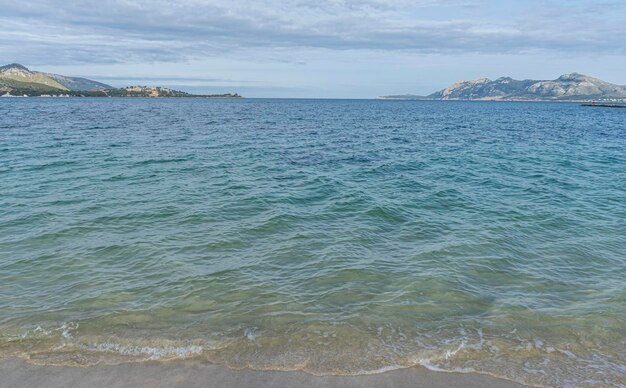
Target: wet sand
14,373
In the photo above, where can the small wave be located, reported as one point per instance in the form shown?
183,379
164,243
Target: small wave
67,330
60,163
153,353
161,161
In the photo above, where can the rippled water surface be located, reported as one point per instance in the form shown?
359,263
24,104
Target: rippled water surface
335,237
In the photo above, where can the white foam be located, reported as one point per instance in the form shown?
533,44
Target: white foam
251,333
452,353
68,329
383,369
153,353
427,363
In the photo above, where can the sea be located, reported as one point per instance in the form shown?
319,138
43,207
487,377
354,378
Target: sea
335,237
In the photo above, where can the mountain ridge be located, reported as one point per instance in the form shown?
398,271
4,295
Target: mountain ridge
22,74
78,83
18,80
567,87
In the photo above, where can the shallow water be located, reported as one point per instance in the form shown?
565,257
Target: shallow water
335,237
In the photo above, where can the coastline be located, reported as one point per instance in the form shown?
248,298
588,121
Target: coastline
18,373
382,98
151,97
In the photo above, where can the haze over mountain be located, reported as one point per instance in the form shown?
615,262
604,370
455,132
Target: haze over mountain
78,83
572,86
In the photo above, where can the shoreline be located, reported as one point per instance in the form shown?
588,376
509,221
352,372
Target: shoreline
19,373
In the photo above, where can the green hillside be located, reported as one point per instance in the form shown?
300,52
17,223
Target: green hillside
29,88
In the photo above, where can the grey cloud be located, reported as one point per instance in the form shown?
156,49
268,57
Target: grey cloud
172,80
165,31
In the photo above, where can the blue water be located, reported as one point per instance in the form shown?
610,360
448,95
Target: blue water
331,236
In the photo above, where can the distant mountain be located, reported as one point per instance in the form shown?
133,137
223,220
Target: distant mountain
17,80
567,87
77,83
18,77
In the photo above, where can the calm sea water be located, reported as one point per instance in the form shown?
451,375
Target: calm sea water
335,237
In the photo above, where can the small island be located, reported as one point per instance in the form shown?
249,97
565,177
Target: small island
147,91
18,81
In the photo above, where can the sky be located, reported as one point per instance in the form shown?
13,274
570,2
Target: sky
315,48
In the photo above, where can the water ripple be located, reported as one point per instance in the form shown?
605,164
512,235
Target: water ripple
337,237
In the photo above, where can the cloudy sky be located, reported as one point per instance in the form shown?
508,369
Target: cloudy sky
315,48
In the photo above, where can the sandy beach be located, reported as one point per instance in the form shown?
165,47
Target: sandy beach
16,373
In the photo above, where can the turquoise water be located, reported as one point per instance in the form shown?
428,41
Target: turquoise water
334,237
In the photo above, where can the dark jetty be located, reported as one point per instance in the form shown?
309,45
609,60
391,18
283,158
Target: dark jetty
605,105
